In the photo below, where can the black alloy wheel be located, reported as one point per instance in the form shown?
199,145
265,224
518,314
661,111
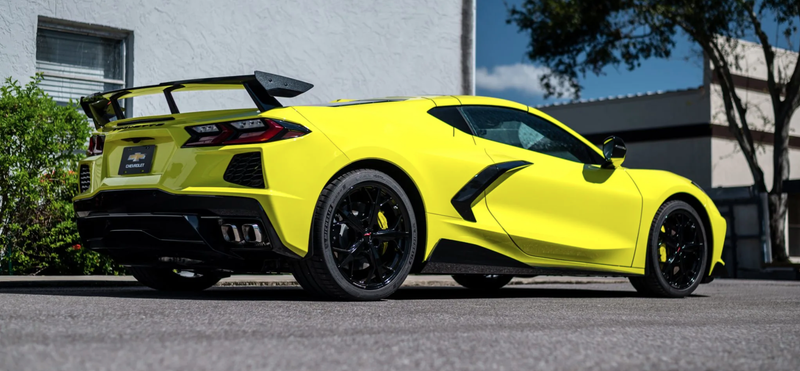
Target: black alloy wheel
370,235
677,255
680,249
364,239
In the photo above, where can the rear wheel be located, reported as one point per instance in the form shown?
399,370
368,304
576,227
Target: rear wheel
677,253
363,239
483,282
174,280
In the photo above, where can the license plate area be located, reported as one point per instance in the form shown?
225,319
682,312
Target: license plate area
137,160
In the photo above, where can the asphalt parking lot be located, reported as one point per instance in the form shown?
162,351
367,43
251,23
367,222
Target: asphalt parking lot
727,325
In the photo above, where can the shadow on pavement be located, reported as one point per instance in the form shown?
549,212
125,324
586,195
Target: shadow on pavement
297,294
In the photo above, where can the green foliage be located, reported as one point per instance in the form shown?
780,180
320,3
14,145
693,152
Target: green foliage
42,142
576,37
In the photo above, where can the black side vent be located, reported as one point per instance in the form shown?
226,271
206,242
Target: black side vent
245,169
85,180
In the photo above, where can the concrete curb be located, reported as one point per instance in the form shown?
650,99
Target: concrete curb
269,280
65,283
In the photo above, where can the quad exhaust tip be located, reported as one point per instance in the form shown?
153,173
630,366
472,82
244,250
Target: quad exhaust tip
250,233
230,232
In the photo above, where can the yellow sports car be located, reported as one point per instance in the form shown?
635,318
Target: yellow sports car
353,196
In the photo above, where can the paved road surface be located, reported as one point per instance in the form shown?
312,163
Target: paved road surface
728,325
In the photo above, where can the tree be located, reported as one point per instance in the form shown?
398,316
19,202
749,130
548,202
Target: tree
576,37
42,143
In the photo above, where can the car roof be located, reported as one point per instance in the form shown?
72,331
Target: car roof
440,100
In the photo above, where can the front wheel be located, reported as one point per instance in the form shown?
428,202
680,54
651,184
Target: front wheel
164,279
363,239
482,282
677,253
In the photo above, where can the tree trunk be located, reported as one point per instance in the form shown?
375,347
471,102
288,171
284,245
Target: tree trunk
777,226
778,200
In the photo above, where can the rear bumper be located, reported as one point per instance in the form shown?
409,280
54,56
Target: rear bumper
153,228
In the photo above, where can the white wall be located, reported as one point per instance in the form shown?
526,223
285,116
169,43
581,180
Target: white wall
759,110
730,168
752,64
347,49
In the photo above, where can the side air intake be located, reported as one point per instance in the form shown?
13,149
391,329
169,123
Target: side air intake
245,169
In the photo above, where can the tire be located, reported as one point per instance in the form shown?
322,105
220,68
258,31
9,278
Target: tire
676,270
483,282
164,279
358,251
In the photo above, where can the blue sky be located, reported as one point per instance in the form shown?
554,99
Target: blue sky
502,70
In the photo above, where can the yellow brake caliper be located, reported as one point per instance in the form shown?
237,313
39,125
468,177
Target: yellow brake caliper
383,224
662,251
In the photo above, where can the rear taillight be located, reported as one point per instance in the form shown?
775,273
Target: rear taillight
96,144
243,132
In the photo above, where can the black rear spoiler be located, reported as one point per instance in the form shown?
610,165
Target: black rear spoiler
263,88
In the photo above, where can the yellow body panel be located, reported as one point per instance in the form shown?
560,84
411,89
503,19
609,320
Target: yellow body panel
565,210
554,213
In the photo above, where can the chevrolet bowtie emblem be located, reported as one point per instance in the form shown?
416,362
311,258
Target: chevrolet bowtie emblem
136,157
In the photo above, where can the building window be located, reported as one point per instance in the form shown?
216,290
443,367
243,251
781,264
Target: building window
77,62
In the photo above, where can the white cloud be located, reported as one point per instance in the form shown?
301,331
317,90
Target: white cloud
520,76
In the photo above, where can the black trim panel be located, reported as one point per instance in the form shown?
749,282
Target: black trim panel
173,108
462,201
459,257
145,120
455,257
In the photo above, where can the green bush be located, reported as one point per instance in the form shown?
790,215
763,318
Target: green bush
42,142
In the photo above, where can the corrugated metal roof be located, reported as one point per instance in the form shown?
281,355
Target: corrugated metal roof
618,97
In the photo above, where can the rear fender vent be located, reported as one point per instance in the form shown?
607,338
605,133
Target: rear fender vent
245,169
85,180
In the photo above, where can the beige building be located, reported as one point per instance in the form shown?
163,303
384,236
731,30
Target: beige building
686,132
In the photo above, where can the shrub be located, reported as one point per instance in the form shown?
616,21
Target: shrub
42,142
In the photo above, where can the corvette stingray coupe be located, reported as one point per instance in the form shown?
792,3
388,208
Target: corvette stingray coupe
352,196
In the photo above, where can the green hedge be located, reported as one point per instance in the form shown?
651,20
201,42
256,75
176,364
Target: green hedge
41,145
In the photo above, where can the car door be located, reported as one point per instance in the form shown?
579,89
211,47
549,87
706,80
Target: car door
564,205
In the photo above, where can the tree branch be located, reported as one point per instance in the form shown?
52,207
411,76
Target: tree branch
791,100
724,74
740,129
769,54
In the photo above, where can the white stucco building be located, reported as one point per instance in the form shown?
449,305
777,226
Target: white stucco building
347,49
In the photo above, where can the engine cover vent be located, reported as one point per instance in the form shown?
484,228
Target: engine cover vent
85,180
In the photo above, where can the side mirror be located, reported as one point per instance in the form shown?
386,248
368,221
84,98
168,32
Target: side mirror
614,151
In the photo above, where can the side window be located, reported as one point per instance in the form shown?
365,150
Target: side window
524,130
451,116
